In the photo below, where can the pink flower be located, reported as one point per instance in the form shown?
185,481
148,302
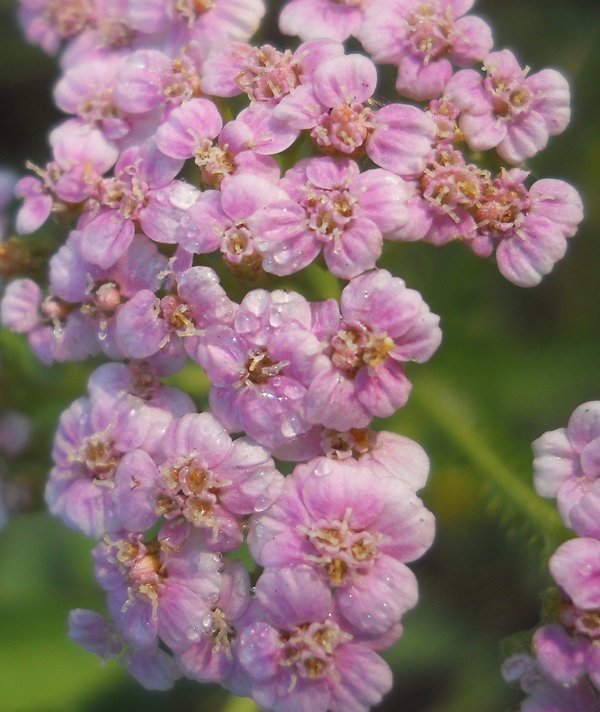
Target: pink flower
206,21
264,73
508,110
81,155
312,19
99,294
445,197
55,331
261,366
48,22
382,325
155,590
423,40
91,439
528,227
152,667
356,530
142,191
202,481
147,323
297,654
385,454
545,694
567,466
335,107
220,220
330,204
211,659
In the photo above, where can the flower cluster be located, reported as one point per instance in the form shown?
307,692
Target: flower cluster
565,670
178,132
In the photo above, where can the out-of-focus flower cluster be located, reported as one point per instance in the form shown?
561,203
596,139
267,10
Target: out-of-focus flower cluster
563,671
178,134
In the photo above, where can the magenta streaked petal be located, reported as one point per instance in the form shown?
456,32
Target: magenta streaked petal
374,601
345,80
106,238
402,138
357,250
364,678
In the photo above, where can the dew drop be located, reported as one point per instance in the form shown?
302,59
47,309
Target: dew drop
323,468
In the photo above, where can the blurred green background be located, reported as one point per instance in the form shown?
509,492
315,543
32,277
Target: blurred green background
513,364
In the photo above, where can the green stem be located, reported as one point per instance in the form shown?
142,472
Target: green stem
454,417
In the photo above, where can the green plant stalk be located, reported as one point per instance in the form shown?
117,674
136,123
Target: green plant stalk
454,416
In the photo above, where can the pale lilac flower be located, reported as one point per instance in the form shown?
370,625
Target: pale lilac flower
575,566
189,132
220,220
151,80
335,107
568,658
142,192
445,197
54,330
383,453
261,367
299,656
424,40
382,325
202,481
206,21
528,227
357,530
264,73
86,90
312,19
155,591
567,466
330,204
147,323
152,667
48,22
508,110
98,293
92,437
210,658
81,155
544,694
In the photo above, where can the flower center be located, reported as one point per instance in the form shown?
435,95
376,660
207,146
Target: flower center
68,17
352,443
190,10
99,457
357,346
448,183
430,31
503,207
309,649
344,129
510,95
189,490
214,161
182,81
260,368
178,315
340,549
268,74
140,565
329,211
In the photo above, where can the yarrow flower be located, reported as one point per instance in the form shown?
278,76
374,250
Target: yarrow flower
186,147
